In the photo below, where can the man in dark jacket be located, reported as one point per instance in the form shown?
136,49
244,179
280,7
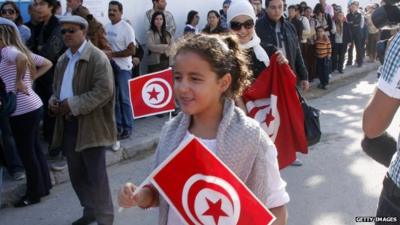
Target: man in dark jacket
355,20
278,34
46,41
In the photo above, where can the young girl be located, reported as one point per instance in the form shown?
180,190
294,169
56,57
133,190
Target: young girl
323,51
210,72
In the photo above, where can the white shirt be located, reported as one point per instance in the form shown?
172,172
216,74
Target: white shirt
276,189
120,35
66,86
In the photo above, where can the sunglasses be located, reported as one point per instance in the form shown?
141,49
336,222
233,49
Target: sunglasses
8,11
69,31
248,24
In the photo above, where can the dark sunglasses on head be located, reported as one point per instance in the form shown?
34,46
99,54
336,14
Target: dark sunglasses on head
8,11
69,31
248,24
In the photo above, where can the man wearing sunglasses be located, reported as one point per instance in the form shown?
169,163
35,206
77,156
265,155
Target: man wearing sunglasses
278,35
83,103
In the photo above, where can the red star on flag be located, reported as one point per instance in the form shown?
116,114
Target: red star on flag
269,118
153,94
214,210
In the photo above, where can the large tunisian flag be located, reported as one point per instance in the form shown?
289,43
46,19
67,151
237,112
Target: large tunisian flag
272,100
152,94
202,190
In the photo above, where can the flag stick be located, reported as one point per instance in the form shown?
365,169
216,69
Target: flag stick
170,115
146,181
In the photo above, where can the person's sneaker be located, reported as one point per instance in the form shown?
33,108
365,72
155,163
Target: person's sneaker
59,165
297,162
116,146
19,176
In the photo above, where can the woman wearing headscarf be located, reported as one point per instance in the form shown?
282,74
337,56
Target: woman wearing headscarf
241,19
18,68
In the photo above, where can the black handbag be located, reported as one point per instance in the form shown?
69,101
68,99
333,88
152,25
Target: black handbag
311,121
8,100
8,104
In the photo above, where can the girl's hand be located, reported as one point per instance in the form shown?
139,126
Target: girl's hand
126,199
21,87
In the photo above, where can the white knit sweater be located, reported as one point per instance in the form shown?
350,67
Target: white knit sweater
242,145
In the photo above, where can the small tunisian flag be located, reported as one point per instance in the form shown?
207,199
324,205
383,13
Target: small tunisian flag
152,94
198,186
272,100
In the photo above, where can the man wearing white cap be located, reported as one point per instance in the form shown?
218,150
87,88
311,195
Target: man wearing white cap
83,103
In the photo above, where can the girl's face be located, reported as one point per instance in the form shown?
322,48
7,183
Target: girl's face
9,12
158,21
196,86
243,27
212,20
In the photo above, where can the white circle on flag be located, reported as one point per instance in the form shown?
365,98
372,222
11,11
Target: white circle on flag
156,93
227,201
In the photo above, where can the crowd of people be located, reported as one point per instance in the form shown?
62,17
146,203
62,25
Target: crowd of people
71,72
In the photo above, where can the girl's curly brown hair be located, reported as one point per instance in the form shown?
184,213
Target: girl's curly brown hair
223,54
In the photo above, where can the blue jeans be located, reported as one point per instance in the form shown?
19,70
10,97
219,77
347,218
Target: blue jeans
13,161
123,112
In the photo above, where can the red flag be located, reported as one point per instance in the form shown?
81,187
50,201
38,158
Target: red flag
272,100
204,191
152,94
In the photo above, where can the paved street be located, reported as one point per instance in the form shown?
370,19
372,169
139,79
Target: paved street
336,183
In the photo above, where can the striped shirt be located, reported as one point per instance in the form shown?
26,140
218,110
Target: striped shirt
323,48
389,83
8,72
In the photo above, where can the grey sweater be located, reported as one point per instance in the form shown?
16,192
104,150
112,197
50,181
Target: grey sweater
242,145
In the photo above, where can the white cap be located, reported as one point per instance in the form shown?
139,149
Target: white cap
74,19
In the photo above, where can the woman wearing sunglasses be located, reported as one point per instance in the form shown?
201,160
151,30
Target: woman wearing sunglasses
241,19
10,10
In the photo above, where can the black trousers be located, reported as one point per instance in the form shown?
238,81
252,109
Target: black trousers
43,87
389,201
25,129
88,173
338,53
360,50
